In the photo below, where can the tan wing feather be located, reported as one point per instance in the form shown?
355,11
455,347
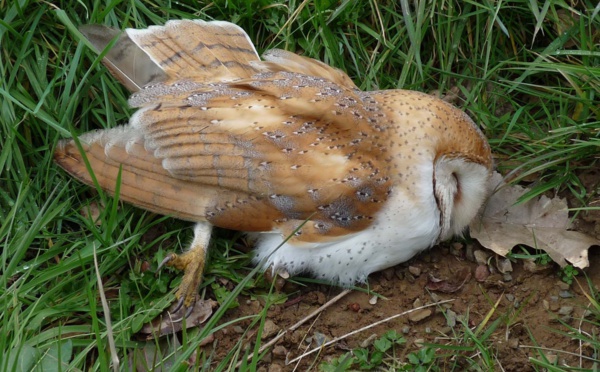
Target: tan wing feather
205,51
183,49
277,60
125,60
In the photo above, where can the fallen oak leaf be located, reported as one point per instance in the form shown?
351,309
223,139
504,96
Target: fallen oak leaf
170,322
541,223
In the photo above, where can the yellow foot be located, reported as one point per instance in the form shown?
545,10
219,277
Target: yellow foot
192,265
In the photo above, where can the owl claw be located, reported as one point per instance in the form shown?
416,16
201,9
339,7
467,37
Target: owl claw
188,311
192,265
177,310
165,261
179,305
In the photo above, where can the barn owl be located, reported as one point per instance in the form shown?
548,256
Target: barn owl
330,180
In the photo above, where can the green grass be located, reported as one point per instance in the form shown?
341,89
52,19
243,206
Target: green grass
527,76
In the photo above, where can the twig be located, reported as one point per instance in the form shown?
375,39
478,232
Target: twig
363,329
557,351
298,324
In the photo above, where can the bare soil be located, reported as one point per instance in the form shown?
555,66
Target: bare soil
529,302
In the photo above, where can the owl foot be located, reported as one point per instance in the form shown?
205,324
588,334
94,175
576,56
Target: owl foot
192,264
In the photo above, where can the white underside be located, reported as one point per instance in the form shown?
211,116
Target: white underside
402,229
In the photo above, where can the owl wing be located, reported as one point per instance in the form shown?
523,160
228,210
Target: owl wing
205,51
184,49
258,153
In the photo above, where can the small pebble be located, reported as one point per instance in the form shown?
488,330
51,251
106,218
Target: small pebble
419,315
444,331
414,270
481,257
456,250
510,297
321,298
507,278
320,338
427,329
450,318
275,368
513,343
567,319
389,273
405,329
417,303
532,267
238,329
552,359
369,341
458,246
296,338
546,304
566,294
503,265
563,286
280,351
469,253
354,307
399,273
373,300
481,273
565,310
270,329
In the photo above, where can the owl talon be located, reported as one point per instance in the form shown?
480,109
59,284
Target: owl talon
188,311
179,305
191,263
165,261
177,309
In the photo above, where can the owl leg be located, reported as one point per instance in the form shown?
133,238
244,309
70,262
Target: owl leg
192,264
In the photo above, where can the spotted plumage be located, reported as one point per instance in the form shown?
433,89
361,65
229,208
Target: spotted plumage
281,147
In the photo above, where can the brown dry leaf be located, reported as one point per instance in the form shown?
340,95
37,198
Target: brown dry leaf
92,211
171,322
445,286
542,223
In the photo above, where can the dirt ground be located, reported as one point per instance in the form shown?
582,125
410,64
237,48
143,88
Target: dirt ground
531,304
